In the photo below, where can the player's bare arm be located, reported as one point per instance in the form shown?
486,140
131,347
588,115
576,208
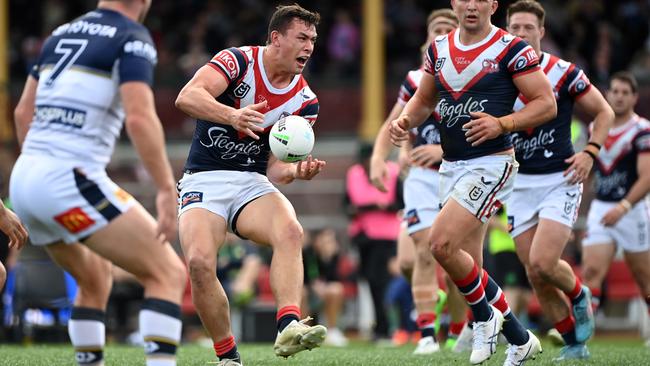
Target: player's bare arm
145,130
25,109
381,150
197,99
536,88
594,104
12,227
280,172
637,192
416,111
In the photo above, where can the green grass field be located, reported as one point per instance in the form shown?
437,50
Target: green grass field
605,351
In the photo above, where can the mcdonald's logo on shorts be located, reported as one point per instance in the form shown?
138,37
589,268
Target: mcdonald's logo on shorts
74,220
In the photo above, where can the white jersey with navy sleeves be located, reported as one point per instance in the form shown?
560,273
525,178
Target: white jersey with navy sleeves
476,78
78,112
616,165
217,146
544,149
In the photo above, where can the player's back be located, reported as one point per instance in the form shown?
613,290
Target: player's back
78,112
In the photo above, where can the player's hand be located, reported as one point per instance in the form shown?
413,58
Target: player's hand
248,119
613,215
166,208
308,168
481,128
399,130
579,168
378,173
425,156
12,227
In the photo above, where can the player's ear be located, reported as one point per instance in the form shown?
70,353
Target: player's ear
542,31
275,35
495,5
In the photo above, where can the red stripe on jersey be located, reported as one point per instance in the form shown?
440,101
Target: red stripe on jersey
563,78
470,55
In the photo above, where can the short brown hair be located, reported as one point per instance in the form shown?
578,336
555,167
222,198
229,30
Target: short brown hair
527,6
626,77
445,13
284,14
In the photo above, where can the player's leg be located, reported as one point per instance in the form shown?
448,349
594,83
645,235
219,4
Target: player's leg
596,259
424,286
405,253
202,233
638,264
334,299
130,241
459,337
3,276
270,219
92,273
454,234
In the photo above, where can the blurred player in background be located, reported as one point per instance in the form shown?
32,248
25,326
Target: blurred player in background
618,216
16,234
92,74
475,74
546,198
421,198
236,98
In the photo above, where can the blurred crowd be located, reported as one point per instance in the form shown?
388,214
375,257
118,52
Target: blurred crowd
189,32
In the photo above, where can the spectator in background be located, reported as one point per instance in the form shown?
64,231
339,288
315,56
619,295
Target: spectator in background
323,280
238,266
14,236
374,228
343,44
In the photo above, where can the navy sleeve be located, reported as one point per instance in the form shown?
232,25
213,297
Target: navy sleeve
521,58
577,82
231,62
138,58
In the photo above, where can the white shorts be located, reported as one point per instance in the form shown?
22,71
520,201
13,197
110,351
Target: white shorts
64,200
222,192
631,232
547,196
421,200
480,185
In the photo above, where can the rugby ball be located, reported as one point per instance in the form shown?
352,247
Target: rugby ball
291,139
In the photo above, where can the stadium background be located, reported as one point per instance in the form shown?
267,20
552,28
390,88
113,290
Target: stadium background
601,36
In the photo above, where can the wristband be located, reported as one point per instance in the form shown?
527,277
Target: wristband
507,123
626,204
592,150
594,144
592,155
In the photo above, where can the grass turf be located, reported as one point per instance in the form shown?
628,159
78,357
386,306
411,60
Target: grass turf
604,351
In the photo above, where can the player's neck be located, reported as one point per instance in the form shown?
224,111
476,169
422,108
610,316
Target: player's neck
274,74
622,119
121,8
470,37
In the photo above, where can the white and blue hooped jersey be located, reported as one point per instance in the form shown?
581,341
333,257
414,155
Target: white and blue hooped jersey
616,168
543,149
78,112
476,78
217,146
427,133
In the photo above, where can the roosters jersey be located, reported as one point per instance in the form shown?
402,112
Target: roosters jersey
217,146
616,169
476,78
78,112
543,149
427,133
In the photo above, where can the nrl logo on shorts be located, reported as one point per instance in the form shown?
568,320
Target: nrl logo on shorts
242,90
439,63
475,193
568,207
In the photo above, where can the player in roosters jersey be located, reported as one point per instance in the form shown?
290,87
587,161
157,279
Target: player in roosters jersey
236,98
422,203
475,73
546,198
94,75
618,216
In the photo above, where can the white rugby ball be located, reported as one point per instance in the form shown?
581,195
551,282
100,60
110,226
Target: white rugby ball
291,139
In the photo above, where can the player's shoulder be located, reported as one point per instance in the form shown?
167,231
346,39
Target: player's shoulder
509,39
643,124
